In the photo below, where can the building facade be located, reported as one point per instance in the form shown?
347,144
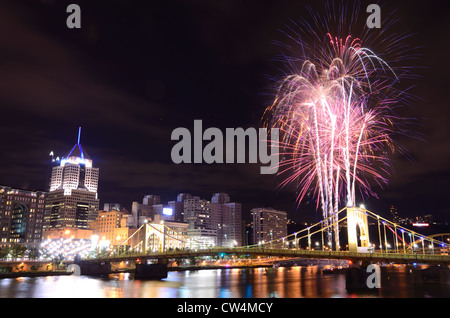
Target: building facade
112,206
215,222
268,225
229,214
203,219
113,226
177,206
145,211
67,242
21,215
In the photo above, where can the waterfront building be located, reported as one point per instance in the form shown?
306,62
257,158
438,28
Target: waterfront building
21,215
268,225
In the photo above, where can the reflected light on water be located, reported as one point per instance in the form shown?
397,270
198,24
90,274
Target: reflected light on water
294,282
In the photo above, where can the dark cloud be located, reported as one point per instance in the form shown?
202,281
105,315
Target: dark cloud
139,69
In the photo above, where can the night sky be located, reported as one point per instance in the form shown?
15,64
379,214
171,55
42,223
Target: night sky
136,70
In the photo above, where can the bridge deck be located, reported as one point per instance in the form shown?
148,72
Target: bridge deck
290,253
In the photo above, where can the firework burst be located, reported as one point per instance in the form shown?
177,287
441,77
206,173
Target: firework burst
334,109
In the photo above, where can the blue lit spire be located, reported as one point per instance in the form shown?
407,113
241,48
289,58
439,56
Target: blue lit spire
77,150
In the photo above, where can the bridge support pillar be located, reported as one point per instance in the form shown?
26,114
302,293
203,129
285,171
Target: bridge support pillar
433,274
150,271
95,269
444,276
359,278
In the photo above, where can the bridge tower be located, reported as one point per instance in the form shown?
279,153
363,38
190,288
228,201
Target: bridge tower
155,239
357,218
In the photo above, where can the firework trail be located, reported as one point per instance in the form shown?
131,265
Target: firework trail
335,117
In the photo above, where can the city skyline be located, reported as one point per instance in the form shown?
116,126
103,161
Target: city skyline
129,81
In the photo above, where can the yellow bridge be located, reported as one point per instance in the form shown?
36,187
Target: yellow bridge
287,253
358,235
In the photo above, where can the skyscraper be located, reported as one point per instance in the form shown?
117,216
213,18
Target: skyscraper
268,225
202,219
215,222
229,214
72,200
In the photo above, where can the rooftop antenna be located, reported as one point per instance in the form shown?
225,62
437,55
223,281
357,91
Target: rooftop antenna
79,134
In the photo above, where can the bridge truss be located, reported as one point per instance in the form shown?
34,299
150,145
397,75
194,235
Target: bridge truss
357,232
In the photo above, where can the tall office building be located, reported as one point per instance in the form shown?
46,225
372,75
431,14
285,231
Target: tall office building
229,214
215,222
268,225
233,229
72,200
202,219
21,215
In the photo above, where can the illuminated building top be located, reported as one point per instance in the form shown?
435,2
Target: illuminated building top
75,171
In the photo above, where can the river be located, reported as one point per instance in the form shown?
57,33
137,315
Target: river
283,282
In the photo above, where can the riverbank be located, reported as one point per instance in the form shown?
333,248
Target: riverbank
131,270
34,274
128,270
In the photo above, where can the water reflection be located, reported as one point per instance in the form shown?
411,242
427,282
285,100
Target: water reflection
294,282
